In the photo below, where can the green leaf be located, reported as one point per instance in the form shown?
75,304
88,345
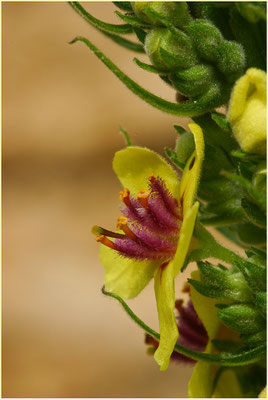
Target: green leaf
221,121
251,235
253,213
254,274
148,67
251,190
261,302
109,30
127,44
180,129
123,5
213,292
226,359
221,220
140,33
204,104
132,20
214,135
103,26
256,339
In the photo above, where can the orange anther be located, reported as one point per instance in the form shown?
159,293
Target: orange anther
107,242
121,221
142,196
122,225
124,196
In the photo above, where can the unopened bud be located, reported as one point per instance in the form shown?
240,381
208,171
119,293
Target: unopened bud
247,111
231,60
176,13
195,80
206,39
167,51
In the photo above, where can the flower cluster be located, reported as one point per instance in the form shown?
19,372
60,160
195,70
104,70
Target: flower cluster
211,54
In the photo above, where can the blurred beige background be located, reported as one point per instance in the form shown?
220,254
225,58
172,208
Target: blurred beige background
61,115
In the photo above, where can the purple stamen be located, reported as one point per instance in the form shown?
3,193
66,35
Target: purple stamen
152,224
160,213
131,249
158,186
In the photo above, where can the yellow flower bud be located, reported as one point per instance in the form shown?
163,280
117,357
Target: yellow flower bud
247,111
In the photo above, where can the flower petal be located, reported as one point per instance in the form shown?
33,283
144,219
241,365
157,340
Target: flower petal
124,276
134,165
228,386
191,173
200,383
165,299
185,238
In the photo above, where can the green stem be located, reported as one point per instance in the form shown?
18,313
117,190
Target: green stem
224,359
126,135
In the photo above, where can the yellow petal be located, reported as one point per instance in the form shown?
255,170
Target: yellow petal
191,173
125,276
247,111
185,238
228,386
165,299
134,165
200,384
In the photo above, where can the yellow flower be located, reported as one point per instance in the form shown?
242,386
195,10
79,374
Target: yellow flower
247,111
153,237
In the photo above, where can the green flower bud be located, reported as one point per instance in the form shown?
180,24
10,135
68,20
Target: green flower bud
206,39
185,146
243,318
176,13
167,51
231,60
194,81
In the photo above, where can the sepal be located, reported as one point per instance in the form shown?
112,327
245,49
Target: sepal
242,318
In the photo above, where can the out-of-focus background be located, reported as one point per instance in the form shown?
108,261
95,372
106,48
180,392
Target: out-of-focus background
61,115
